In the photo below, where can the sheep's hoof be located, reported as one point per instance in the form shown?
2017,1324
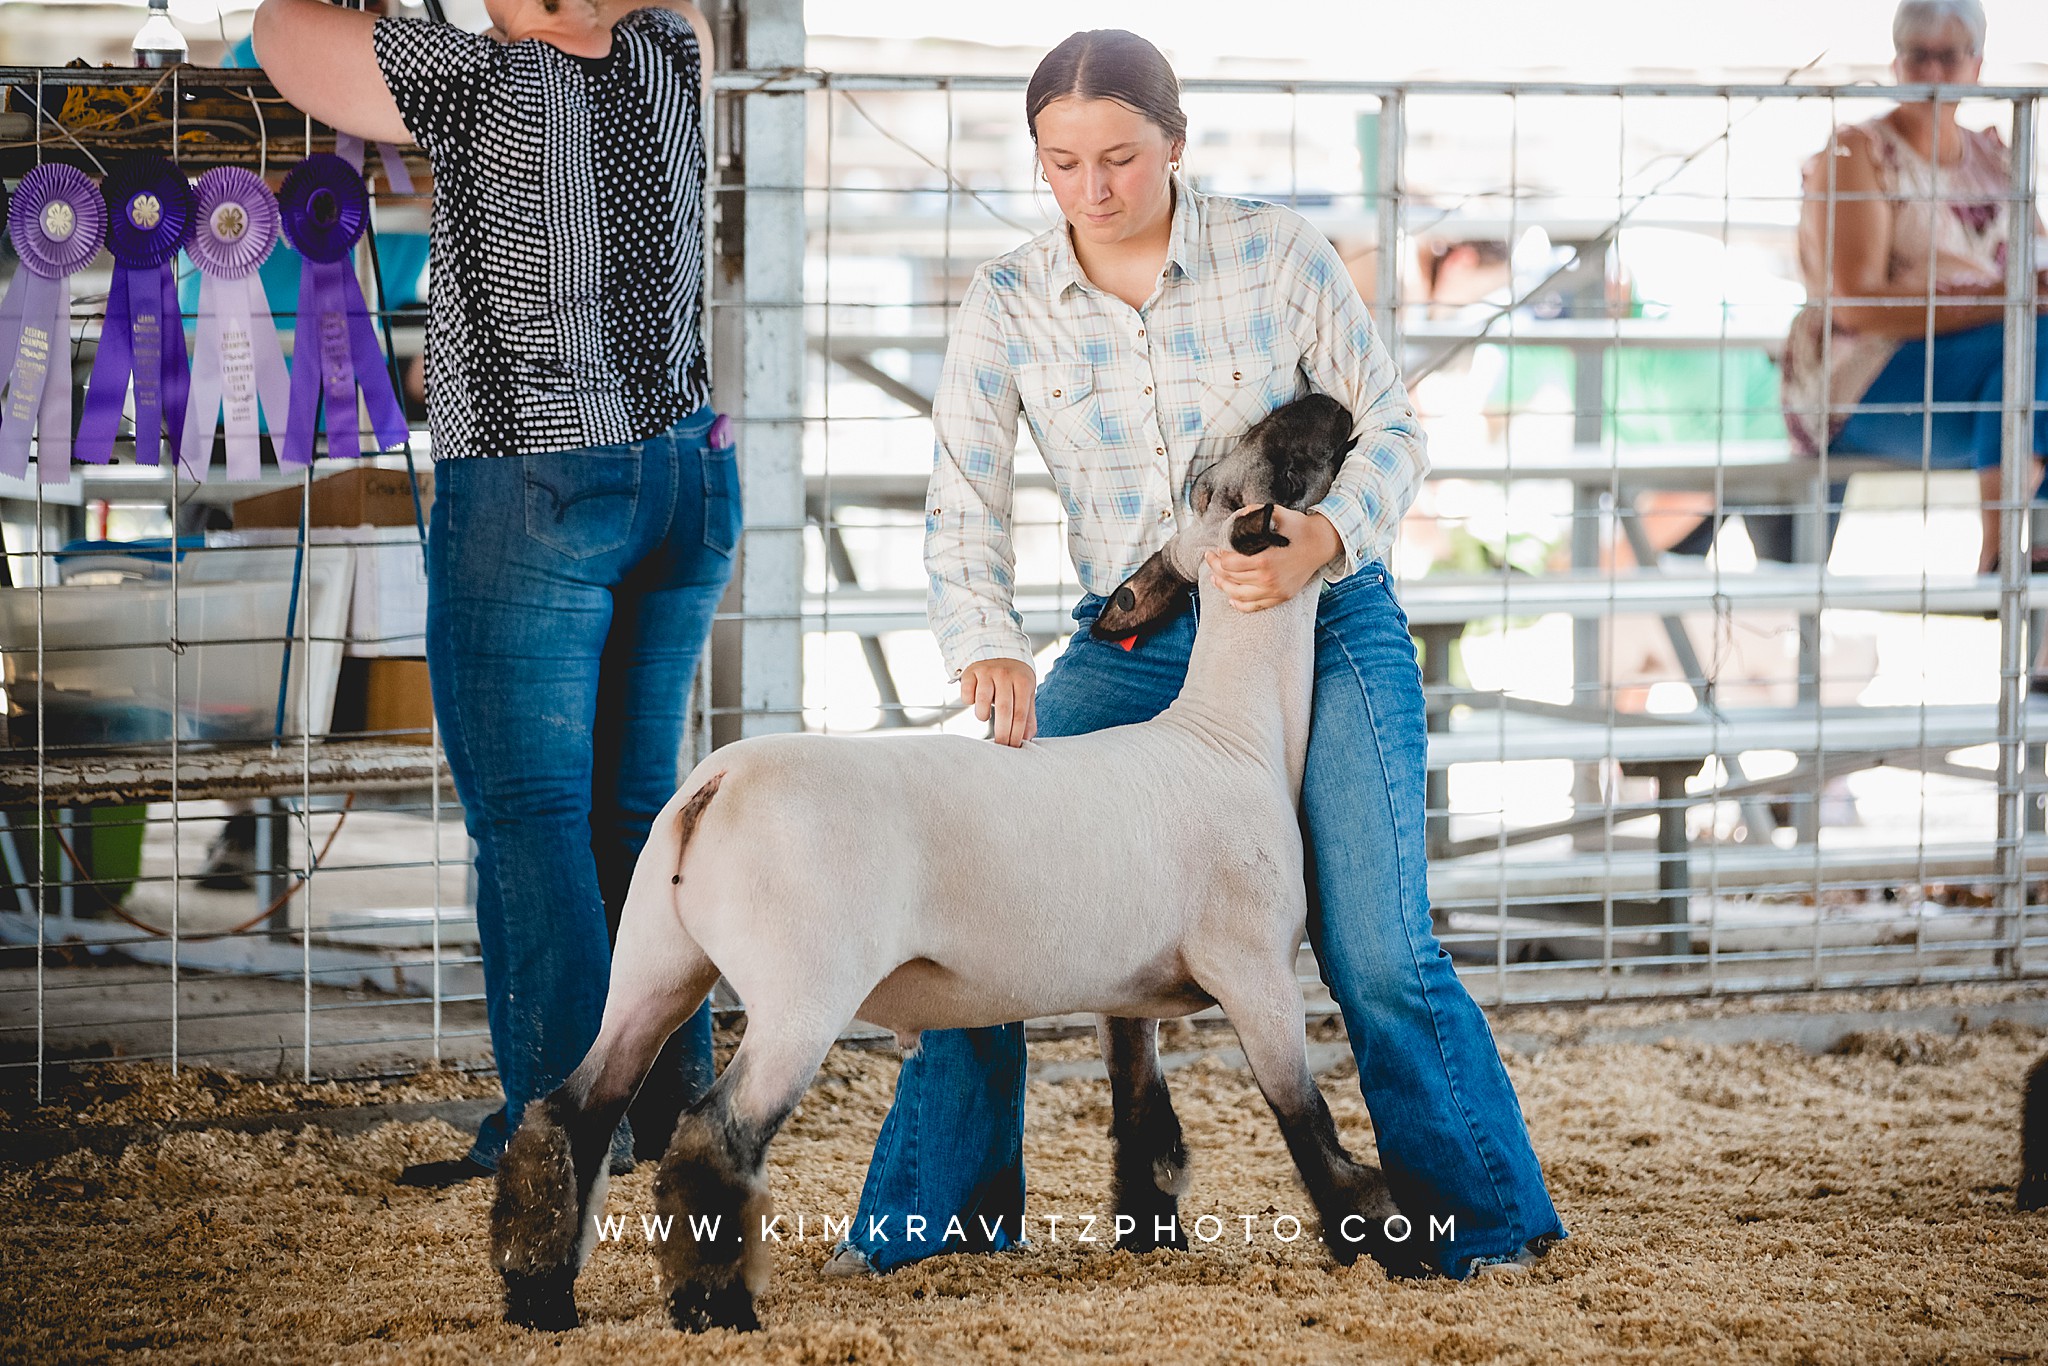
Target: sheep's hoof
1400,1260
1148,1218
2033,1192
545,1302
1146,1242
695,1307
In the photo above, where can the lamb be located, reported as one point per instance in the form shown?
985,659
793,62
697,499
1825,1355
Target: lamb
913,882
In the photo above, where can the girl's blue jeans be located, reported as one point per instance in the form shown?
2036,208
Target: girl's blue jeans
1451,1136
569,595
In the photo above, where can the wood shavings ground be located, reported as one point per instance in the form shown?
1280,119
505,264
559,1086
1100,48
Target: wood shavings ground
1727,1202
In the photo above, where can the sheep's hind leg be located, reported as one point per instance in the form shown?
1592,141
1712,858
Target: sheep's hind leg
711,1193
1151,1161
1351,1197
551,1180
2033,1187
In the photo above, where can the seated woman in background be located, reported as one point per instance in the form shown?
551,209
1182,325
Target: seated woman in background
1922,213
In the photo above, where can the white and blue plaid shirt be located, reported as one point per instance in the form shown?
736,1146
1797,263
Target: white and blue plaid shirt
1128,405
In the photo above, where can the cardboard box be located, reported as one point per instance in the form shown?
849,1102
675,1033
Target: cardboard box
365,495
387,613
398,700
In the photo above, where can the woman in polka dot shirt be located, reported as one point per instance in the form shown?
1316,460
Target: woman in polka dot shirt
585,514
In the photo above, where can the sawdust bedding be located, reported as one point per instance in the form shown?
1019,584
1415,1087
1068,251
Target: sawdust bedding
130,1097
1726,1201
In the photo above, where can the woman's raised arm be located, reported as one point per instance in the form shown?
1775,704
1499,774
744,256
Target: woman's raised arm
319,57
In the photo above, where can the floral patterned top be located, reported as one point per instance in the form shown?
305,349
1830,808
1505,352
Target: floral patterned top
1956,217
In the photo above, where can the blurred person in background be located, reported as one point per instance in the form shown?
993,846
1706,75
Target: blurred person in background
1922,215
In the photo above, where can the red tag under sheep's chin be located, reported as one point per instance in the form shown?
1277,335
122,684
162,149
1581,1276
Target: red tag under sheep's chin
1129,642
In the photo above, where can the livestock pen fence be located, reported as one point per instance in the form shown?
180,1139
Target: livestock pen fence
1660,765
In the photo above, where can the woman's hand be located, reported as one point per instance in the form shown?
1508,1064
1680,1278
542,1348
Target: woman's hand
1006,689
1274,575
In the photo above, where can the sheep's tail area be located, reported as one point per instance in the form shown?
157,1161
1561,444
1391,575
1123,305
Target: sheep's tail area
660,975
687,817
658,874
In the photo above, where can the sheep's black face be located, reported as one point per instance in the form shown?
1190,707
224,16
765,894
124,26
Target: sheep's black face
1291,458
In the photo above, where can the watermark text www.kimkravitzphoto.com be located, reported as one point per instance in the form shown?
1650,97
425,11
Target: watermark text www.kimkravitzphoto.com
1050,1228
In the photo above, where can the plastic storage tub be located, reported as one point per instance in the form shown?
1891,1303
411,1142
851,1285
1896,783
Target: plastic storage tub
107,672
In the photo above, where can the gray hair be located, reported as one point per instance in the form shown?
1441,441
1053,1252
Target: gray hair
1918,16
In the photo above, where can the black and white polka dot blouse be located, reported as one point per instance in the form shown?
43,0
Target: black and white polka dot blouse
567,246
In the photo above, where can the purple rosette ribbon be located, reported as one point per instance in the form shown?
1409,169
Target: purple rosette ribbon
325,213
149,213
237,359
57,223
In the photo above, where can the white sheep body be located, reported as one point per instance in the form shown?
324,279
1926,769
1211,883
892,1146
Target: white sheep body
930,882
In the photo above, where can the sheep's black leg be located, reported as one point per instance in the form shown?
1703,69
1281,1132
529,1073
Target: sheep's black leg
710,1199
550,1182
2033,1189
1151,1161
711,1191
1351,1197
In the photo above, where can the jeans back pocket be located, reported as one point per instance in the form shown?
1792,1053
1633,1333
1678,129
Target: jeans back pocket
582,503
721,499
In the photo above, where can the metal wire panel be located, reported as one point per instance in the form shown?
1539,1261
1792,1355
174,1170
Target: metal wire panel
1651,775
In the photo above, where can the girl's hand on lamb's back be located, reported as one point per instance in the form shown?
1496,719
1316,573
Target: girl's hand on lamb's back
1274,575
1006,689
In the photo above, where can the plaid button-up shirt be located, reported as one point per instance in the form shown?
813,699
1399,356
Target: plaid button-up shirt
1128,405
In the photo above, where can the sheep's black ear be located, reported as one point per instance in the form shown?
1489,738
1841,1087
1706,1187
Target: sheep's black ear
1222,481
1145,603
1251,532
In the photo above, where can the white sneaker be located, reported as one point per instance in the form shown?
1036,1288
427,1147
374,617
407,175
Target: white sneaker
1512,1268
1505,1268
847,1261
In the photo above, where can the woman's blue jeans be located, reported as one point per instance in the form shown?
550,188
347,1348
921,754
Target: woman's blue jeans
569,595
1969,367
1451,1136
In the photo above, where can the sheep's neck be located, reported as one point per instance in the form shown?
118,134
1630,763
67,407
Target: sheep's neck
1251,679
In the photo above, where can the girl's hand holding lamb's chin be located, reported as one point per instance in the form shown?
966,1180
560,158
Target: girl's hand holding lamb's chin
1253,583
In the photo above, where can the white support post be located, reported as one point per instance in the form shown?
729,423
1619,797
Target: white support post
1393,137
761,342
2016,497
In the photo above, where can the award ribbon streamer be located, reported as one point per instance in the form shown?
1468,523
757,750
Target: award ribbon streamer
325,211
237,359
149,213
57,222
349,148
